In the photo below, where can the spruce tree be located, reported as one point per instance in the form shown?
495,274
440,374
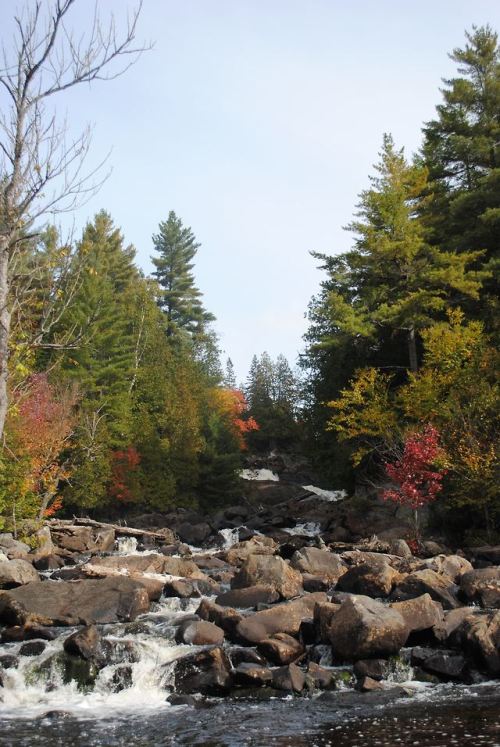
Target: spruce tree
179,298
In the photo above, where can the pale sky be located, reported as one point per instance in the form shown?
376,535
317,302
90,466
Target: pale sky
258,122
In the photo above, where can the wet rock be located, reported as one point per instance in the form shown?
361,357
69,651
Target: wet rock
249,597
32,648
209,562
482,585
193,534
289,678
27,632
9,661
421,613
207,672
446,664
83,538
79,602
373,579
479,636
121,679
440,588
364,628
318,677
16,573
244,655
270,571
323,616
200,633
248,674
430,548
281,648
226,618
84,643
282,618
376,669
318,562
367,684
181,700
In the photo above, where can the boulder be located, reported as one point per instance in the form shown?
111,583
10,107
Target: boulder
373,579
257,545
243,655
479,636
49,562
270,571
9,661
83,538
193,534
224,617
80,602
440,588
84,643
12,547
368,684
151,563
29,632
421,613
281,648
375,669
207,672
316,562
453,619
315,583
282,618
180,588
323,616
446,664
289,678
45,546
248,674
400,548
481,585
32,648
453,566
249,597
200,633
364,628
318,677
16,573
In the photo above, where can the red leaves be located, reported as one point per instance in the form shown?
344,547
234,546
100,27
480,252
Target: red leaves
418,482
232,405
124,463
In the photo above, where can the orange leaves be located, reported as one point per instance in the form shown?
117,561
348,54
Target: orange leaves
232,406
124,464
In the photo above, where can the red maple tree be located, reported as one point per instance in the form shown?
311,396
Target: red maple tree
124,464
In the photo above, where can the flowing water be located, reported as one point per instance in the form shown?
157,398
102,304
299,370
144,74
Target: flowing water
125,703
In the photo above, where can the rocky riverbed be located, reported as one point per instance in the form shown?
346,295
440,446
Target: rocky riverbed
248,636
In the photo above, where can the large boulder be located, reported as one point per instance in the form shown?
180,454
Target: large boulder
421,613
224,617
200,633
364,628
83,539
150,563
271,571
11,547
257,545
207,672
374,579
289,678
281,648
282,618
453,566
193,534
316,562
85,643
446,664
249,597
482,585
440,588
82,602
479,636
323,616
16,573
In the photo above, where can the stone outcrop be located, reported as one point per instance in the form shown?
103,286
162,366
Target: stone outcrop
364,628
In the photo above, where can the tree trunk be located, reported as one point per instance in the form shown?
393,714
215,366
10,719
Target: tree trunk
412,350
4,331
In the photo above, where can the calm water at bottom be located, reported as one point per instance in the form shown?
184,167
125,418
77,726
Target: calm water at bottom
464,720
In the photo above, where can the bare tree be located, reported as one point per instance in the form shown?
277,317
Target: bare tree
42,170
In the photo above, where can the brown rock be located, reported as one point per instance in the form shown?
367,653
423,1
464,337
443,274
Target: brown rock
316,562
248,674
282,618
289,677
319,677
323,616
367,684
207,672
84,643
281,648
201,633
420,613
251,596
364,628
440,588
16,573
243,550
83,538
475,585
373,579
453,566
225,617
479,635
270,571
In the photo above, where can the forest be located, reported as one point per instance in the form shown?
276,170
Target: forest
114,394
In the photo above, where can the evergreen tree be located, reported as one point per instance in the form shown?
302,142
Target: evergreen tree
179,298
229,375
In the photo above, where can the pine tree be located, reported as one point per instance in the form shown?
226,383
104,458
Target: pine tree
229,375
179,298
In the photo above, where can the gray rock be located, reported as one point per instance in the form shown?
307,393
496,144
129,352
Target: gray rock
270,571
282,618
318,562
207,672
16,573
364,628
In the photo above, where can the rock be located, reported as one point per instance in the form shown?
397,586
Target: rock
252,675
373,579
452,621
479,636
28,632
351,698
364,628
9,661
270,571
453,566
490,598
440,588
83,538
200,633
207,672
193,534
315,583
80,602
49,562
180,700
244,655
447,664
32,648
282,618
323,616
421,613
367,684
258,545
319,677
45,546
488,553
375,669
224,617
431,548
281,648
482,585
10,547
16,573
289,677
84,643
249,597
400,547
318,562
152,563
180,588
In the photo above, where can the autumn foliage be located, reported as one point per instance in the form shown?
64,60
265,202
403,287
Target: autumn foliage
124,464
232,405
418,481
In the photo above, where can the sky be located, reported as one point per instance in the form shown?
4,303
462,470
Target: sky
258,122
